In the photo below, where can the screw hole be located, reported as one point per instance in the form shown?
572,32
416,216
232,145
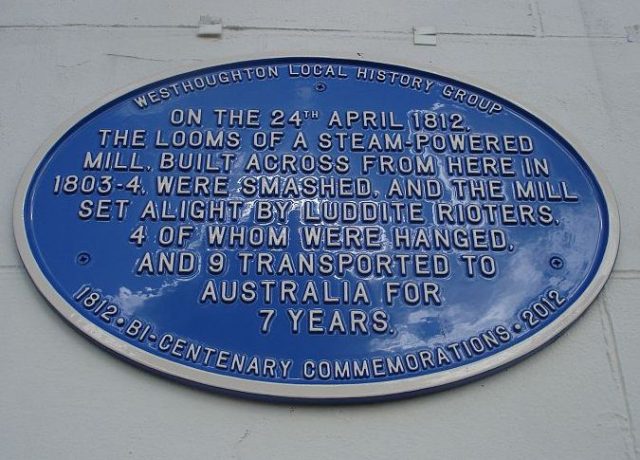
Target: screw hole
83,258
556,262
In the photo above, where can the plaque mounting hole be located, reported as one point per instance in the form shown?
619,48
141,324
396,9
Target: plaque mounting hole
556,262
320,87
83,258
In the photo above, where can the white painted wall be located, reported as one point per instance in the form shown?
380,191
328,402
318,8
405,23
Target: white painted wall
62,397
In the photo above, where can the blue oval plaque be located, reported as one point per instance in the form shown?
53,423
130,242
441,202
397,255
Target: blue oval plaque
315,228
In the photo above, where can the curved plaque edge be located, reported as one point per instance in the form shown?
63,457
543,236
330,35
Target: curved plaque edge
318,393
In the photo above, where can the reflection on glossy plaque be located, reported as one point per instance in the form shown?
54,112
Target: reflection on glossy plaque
314,228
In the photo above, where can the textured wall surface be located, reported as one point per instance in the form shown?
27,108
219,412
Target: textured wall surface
575,62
